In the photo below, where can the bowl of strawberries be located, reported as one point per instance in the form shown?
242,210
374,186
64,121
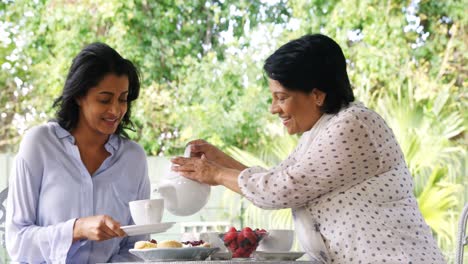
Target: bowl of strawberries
242,243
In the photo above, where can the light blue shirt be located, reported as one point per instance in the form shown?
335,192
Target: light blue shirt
50,188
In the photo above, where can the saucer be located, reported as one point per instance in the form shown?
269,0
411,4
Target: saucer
277,256
136,230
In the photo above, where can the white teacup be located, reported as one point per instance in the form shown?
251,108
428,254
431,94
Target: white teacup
145,212
277,240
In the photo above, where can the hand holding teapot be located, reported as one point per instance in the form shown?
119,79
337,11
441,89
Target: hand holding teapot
183,196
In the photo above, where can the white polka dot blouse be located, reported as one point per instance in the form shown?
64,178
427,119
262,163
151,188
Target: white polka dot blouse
350,192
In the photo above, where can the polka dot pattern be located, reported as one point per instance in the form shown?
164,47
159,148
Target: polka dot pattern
352,180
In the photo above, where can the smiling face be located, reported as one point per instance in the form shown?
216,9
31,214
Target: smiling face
104,106
298,111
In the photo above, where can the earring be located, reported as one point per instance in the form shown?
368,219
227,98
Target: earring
319,103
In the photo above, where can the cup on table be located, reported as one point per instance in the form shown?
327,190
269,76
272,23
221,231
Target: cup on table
277,240
145,212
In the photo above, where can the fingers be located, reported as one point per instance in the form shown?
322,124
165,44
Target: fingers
180,168
104,233
197,141
98,228
114,226
184,163
180,161
189,174
109,228
181,164
200,147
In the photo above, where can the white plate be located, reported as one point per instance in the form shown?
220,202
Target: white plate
173,254
277,256
136,230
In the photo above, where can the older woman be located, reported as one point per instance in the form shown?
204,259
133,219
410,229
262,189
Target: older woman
346,182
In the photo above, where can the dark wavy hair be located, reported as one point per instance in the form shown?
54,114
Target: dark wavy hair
312,61
88,68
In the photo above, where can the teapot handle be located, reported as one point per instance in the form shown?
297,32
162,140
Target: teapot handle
187,151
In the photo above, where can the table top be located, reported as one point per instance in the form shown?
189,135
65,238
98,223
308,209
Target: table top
225,262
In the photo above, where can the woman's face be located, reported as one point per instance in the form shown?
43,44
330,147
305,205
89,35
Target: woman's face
104,106
298,111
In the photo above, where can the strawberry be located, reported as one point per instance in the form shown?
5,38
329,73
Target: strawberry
260,231
250,235
232,229
240,239
232,246
240,253
247,229
229,236
249,252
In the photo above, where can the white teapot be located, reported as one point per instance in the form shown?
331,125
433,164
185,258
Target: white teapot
182,196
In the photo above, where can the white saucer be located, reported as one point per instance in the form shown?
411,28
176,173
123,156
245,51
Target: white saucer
136,230
277,256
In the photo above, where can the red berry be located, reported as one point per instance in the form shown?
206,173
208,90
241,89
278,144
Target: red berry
232,246
260,232
229,236
250,236
240,252
249,252
232,229
240,238
247,229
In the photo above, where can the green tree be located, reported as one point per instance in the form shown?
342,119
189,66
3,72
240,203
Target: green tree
162,37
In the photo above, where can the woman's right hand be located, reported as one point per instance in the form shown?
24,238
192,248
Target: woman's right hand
200,147
99,228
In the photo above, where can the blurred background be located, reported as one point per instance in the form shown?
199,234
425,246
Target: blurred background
201,64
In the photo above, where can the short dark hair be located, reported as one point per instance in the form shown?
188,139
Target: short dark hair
312,61
88,68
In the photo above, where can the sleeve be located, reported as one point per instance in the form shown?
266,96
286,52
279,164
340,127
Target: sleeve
343,155
127,243
25,241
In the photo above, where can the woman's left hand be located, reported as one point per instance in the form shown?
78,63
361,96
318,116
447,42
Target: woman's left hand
197,169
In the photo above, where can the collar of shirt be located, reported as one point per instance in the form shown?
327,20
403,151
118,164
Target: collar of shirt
112,145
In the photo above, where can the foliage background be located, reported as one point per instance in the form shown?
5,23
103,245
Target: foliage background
201,65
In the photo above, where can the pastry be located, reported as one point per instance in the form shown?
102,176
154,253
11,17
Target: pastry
207,245
144,244
169,244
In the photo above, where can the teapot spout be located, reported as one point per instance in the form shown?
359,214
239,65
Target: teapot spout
168,193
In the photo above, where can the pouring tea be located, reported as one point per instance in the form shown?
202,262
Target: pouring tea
182,196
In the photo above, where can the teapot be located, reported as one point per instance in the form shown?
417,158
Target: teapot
182,196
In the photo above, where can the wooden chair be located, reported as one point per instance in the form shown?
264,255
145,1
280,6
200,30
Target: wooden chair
462,237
